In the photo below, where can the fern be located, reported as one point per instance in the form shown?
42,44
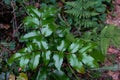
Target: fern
89,13
110,35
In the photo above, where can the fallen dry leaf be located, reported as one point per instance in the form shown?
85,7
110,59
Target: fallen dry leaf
117,1
112,51
11,77
37,5
114,75
4,26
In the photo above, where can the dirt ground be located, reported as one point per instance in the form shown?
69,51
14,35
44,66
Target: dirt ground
114,18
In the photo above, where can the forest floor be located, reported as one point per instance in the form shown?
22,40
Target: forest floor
114,18
113,58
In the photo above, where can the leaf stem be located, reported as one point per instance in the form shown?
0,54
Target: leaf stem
73,72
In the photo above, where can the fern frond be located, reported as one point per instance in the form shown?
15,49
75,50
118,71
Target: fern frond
73,3
110,35
86,9
87,23
82,14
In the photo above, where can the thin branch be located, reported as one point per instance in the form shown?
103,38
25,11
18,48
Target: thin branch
73,72
14,17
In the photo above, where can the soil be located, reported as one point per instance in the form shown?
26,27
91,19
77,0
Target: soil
114,18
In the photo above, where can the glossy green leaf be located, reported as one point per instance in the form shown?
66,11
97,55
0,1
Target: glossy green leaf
24,61
59,33
37,42
15,56
42,75
34,60
44,44
75,63
86,48
34,12
48,53
31,35
61,47
58,59
29,48
46,31
46,56
74,47
30,21
48,12
88,60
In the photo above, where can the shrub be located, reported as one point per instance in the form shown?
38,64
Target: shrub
52,49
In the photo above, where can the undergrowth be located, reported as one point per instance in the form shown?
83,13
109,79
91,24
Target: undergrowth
51,50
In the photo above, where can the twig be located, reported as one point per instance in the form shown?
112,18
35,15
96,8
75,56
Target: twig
4,49
73,72
14,17
63,20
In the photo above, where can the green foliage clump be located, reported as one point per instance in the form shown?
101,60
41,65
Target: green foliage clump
49,47
88,13
6,70
110,35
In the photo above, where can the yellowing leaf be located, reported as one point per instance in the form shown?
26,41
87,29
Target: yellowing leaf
22,76
11,77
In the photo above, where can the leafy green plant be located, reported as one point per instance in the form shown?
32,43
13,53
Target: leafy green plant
49,47
109,36
87,13
6,70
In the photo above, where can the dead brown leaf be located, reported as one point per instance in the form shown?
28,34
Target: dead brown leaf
4,26
12,77
114,75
